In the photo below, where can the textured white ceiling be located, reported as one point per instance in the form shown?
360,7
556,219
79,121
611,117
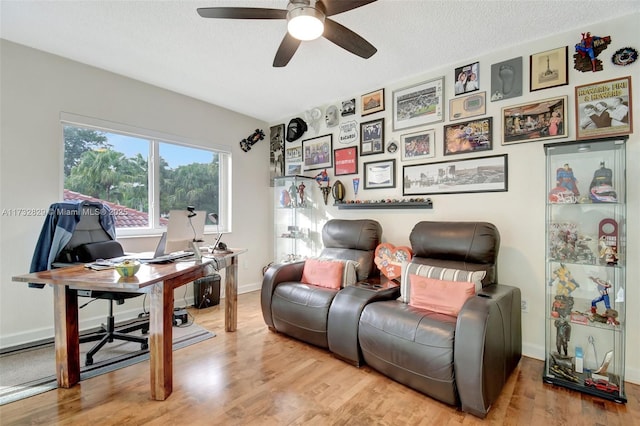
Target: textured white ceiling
228,62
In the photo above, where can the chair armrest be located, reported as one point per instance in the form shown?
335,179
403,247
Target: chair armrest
276,274
344,319
488,346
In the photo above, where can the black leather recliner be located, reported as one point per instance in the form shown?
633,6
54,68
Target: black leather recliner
462,361
302,310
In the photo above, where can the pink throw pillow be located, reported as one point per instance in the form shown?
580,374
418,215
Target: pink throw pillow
323,273
446,297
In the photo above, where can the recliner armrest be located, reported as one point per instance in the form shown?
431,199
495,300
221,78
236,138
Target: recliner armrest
488,346
276,274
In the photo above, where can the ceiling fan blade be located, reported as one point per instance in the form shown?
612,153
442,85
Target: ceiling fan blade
286,50
333,7
242,13
347,39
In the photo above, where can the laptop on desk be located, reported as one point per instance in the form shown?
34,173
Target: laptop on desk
159,255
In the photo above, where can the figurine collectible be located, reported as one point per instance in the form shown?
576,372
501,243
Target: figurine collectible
587,50
601,188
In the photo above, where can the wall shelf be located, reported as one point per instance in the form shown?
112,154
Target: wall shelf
397,205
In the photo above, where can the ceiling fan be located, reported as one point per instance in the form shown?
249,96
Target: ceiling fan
306,20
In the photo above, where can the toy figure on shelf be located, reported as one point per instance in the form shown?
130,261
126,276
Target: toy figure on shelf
601,189
610,315
566,179
608,253
301,188
293,194
285,199
323,181
563,335
566,282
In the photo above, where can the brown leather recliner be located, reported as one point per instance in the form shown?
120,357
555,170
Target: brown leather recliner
462,361
302,310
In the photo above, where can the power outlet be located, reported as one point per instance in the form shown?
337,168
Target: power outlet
524,305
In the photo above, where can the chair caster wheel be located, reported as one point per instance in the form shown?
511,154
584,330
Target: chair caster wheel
89,361
144,346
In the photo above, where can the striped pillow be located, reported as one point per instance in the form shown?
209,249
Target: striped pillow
437,273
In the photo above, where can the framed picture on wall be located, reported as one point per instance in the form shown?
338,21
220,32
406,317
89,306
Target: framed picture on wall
604,109
345,161
470,136
372,102
372,137
549,69
468,106
380,174
535,121
479,174
293,160
419,104
276,152
467,79
506,79
418,145
317,153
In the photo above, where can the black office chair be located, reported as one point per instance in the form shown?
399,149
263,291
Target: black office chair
89,241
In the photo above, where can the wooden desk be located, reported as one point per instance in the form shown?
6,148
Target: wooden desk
159,281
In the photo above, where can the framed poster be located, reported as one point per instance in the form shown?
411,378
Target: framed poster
418,105
317,153
346,161
380,174
470,136
418,145
467,79
372,137
293,160
506,79
276,152
480,174
468,106
549,69
604,109
535,121
372,102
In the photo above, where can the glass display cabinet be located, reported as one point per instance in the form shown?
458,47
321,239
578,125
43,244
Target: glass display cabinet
296,234
585,266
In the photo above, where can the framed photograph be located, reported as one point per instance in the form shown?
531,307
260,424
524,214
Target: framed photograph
467,79
549,69
346,161
506,79
348,107
535,121
604,109
467,106
479,174
380,174
372,102
276,152
293,160
470,136
419,105
418,145
372,137
317,153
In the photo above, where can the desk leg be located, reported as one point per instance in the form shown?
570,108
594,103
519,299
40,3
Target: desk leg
67,343
231,295
160,341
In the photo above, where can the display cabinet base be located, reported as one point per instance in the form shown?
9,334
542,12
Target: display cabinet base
610,396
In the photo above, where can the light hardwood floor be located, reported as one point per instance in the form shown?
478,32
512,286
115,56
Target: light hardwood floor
257,377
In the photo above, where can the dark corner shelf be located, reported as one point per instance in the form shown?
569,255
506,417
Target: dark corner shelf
397,205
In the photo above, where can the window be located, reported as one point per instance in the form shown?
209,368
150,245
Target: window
143,175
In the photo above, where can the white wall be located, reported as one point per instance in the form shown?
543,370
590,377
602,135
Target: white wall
519,213
36,88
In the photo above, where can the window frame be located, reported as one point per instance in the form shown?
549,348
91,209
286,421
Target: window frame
155,138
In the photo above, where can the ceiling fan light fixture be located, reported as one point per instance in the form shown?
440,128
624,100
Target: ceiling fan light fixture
305,23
